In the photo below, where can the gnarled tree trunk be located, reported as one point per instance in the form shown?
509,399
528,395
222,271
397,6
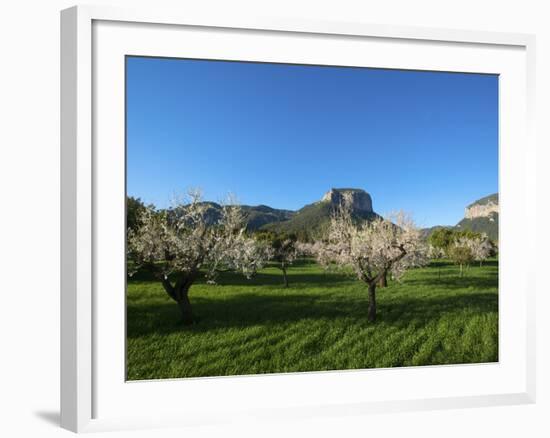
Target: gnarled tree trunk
372,301
383,280
180,294
185,308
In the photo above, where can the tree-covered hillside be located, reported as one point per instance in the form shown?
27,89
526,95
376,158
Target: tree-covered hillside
312,221
487,225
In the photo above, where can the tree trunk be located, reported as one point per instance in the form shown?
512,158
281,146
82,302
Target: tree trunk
185,308
461,270
383,280
180,294
285,279
372,302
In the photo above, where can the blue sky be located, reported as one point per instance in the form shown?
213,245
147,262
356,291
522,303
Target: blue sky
282,135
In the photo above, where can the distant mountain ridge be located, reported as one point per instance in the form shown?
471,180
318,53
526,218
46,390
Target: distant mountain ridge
312,221
309,222
255,216
489,199
481,216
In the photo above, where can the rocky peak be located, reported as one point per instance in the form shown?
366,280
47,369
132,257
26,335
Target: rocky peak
484,207
361,200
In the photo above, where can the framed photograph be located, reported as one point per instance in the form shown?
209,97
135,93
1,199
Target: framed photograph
274,219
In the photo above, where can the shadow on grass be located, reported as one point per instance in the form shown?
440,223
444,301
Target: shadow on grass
449,276
246,310
441,263
450,282
327,279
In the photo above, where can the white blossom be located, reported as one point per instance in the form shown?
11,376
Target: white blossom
434,252
481,247
184,243
373,248
181,240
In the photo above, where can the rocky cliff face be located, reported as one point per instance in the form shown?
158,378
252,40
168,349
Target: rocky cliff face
312,221
482,217
362,202
481,211
484,207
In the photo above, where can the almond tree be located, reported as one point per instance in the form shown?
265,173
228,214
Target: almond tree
179,245
284,252
308,249
461,253
436,253
481,248
371,249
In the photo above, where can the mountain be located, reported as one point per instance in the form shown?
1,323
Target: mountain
307,223
261,215
482,206
312,220
256,216
425,232
482,216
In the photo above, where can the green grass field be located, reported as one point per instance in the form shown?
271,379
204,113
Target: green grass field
318,323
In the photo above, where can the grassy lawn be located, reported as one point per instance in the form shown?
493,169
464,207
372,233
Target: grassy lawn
318,323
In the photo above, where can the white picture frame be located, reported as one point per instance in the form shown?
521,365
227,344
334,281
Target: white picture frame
93,39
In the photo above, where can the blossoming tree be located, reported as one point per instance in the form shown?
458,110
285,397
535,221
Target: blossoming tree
179,245
461,253
468,248
481,248
281,248
372,249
